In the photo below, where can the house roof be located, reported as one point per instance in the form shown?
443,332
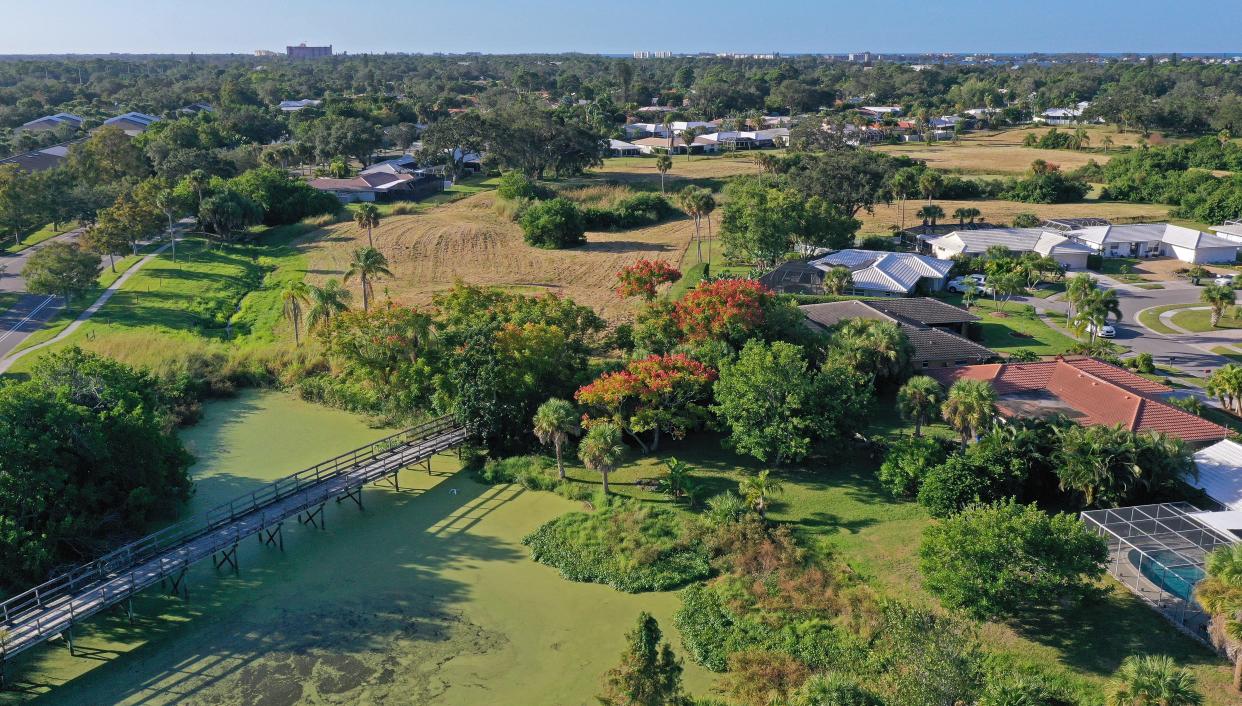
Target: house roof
657,142
299,104
1088,390
1220,473
1234,229
1168,233
621,145
885,271
59,118
141,119
932,312
977,242
929,343
396,165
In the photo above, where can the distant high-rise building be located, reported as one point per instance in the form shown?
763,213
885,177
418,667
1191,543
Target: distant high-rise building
302,51
653,54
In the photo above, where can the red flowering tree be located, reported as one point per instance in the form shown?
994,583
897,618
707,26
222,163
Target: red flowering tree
726,309
643,278
659,393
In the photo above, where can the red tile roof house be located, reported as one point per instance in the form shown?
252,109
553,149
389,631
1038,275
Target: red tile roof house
1087,391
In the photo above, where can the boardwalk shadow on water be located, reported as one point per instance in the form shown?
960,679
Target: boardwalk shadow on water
366,604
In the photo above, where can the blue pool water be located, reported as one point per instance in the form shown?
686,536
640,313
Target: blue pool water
1179,581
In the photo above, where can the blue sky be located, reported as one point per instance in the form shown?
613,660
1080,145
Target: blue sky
507,26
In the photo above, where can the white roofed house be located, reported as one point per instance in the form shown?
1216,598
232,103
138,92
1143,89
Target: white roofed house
1229,230
51,122
296,105
621,148
1063,116
1046,243
887,274
1157,240
1220,473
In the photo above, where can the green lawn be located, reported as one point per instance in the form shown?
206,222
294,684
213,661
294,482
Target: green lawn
1015,327
1228,352
40,235
1047,289
1121,268
1200,320
1151,317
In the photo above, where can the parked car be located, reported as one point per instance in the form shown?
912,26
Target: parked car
1225,280
957,285
1105,331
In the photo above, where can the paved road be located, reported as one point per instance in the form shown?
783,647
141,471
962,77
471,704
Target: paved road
11,266
30,313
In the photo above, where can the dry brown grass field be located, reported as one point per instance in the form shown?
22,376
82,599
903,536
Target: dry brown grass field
995,211
697,167
469,241
1002,153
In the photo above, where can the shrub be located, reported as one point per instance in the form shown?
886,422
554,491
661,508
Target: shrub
1094,262
1028,220
633,212
553,224
1144,363
531,472
982,473
997,560
514,186
627,545
907,461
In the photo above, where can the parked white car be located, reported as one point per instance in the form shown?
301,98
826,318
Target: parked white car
1105,331
957,285
1225,280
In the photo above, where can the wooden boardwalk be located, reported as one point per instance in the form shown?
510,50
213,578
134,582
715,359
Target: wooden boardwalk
52,608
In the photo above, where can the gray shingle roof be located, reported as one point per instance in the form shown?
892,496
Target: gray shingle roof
929,343
927,310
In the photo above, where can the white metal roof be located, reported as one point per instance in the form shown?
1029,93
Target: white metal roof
977,242
1220,473
1228,522
1168,233
885,271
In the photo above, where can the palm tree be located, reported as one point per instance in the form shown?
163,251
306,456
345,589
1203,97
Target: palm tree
368,263
918,399
930,183
1220,593
1153,680
294,296
555,421
904,183
1093,311
971,405
1225,384
678,482
930,214
663,164
837,280
1106,143
166,201
1218,296
601,449
687,136
198,181
757,489
325,302
367,216
1081,138
961,214
1077,289
693,200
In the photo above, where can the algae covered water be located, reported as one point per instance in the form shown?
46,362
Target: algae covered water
426,596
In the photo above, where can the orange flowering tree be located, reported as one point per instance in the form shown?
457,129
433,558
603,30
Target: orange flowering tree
726,309
643,278
657,394
379,341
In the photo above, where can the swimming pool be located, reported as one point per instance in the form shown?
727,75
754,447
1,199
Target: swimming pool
1179,580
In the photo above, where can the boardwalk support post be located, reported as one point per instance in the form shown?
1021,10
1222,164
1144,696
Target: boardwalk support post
180,586
310,518
69,639
227,556
274,537
354,494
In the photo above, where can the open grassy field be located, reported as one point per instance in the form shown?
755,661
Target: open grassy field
47,232
469,241
697,167
1001,152
1002,212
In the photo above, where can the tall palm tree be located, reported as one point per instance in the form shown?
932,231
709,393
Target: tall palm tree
1093,311
930,214
905,183
961,214
368,263
663,164
692,201
1153,680
555,421
1220,593
918,399
166,201
1081,138
687,137
1225,384
325,302
601,449
970,406
295,296
1106,143
198,180
1218,296
758,489
1077,289
367,216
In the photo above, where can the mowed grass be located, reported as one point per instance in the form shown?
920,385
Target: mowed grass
1199,320
1015,326
1150,317
1002,153
47,232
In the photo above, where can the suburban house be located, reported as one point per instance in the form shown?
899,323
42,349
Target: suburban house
380,185
874,273
296,105
50,122
1066,252
620,148
132,123
1157,240
933,327
42,159
880,111
1229,230
196,108
1088,392
404,164
1062,116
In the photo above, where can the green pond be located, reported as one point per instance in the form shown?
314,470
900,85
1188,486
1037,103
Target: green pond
425,597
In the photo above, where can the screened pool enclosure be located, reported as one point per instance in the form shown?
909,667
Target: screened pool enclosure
1158,552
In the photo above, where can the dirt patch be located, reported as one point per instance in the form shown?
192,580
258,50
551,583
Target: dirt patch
469,241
